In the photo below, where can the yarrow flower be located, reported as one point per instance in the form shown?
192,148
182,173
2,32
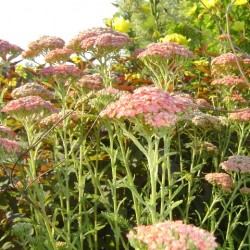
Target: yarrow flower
91,81
222,179
32,89
31,107
230,81
9,146
225,63
63,71
57,118
58,55
174,235
99,40
237,163
241,116
43,45
157,107
235,98
8,49
6,132
165,60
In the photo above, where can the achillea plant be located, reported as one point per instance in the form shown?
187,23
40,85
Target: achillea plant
60,56
165,62
226,63
6,132
32,89
237,164
42,46
9,51
9,146
174,235
221,179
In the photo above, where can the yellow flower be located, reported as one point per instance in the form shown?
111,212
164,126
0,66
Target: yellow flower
76,59
121,25
19,69
240,2
210,3
177,38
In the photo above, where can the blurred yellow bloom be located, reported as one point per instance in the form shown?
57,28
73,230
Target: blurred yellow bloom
121,25
76,59
177,38
12,82
19,69
210,3
240,2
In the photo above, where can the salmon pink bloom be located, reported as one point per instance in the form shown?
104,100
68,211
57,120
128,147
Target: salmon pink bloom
9,146
222,179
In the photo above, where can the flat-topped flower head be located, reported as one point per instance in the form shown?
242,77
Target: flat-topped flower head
245,191
174,235
165,50
43,45
59,119
32,89
8,50
6,132
156,107
31,108
64,72
165,61
237,163
58,55
236,98
99,40
230,81
241,116
91,81
221,179
8,146
224,64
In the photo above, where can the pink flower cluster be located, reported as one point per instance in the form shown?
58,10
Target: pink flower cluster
33,107
91,81
63,70
241,116
43,45
174,235
9,146
32,89
58,55
235,98
6,132
222,179
166,50
237,163
99,39
225,63
57,118
230,81
157,107
7,48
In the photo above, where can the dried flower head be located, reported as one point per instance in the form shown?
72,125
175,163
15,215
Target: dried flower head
205,121
9,146
58,55
245,190
99,40
8,49
156,107
43,45
32,89
225,64
202,102
237,163
31,107
172,235
242,116
6,132
222,179
230,81
235,98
